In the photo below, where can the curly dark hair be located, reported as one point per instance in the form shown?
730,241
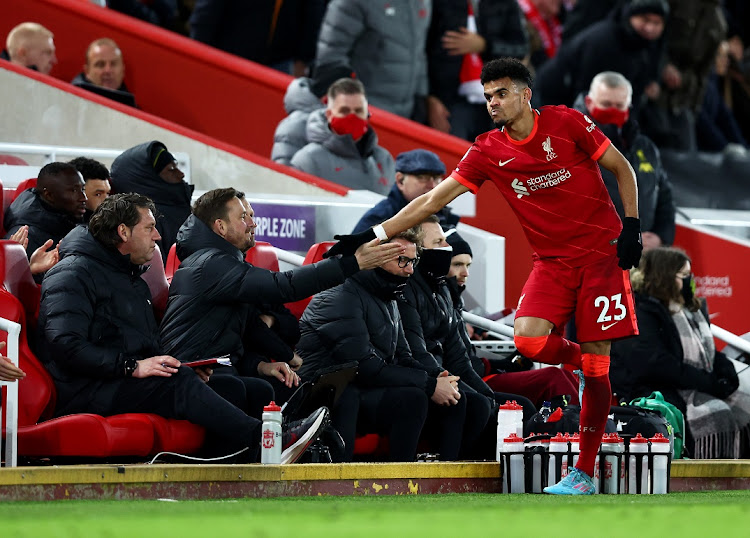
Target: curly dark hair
115,210
90,169
656,274
506,67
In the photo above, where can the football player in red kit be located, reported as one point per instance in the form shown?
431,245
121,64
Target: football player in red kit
546,164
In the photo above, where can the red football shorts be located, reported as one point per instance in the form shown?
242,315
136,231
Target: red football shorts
599,295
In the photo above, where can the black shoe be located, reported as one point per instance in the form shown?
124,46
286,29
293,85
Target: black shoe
335,443
297,435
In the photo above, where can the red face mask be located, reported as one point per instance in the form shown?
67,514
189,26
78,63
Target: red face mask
610,115
351,125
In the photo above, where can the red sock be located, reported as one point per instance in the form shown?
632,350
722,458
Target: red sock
555,350
597,394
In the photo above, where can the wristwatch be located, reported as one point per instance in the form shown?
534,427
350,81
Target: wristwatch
131,365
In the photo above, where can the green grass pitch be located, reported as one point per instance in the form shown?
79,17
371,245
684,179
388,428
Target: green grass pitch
704,515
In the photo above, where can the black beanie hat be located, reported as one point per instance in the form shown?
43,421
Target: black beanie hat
460,246
160,157
325,75
658,7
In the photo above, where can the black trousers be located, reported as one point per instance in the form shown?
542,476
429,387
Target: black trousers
181,396
396,412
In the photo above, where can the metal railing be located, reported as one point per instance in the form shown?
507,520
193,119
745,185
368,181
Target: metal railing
11,395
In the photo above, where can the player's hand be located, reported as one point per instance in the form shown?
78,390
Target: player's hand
281,371
204,373
8,370
21,236
445,391
296,362
629,246
374,253
159,366
348,244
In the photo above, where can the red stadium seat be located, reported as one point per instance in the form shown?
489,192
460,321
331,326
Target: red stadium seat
13,160
314,254
263,255
157,282
25,184
173,263
17,279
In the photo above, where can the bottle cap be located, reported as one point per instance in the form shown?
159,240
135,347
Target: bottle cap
272,407
511,406
559,438
659,438
513,438
638,439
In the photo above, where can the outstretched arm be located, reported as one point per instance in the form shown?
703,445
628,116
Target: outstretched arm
422,207
614,161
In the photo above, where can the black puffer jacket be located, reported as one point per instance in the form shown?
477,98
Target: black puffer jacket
95,312
653,360
132,172
431,325
43,220
215,290
360,321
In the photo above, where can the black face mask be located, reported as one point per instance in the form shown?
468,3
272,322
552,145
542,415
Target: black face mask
435,262
393,283
688,289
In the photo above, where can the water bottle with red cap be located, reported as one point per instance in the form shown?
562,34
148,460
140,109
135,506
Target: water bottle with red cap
513,464
660,448
270,443
639,480
509,420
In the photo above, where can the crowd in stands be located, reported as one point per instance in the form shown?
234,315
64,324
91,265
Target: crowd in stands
393,308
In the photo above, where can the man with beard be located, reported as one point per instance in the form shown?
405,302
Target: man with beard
546,164
51,209
215,293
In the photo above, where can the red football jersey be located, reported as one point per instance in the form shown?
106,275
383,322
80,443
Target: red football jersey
552,182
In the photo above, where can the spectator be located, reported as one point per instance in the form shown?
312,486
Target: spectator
343,146
159,12
100,341
670,119
734,85
676,355
215,295
96,183
150,169
608,103
385,45
510,378
417,172
104,68
360,321
281,35
303,96
544,27
584,13
629,42
31,45
460,39
50,210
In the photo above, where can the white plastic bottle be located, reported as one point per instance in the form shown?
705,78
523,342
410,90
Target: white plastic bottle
509,417
573,452
660,448
558,450
513,465
611,472
270,443
536,447
638,451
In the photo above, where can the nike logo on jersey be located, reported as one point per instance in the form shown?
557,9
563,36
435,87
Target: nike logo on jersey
520,188
503,163
605,327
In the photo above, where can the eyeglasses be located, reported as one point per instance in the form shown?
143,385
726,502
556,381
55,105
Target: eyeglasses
403,261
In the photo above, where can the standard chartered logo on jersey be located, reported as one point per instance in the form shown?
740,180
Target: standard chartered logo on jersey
544,181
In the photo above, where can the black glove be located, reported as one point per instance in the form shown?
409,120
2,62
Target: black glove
629,244
348,244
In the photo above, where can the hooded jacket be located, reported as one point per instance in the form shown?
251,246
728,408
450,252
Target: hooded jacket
360,321
656,207
392,204
338,158
608,45
385,45
132,171
95,313
215,290
44,221
291,132
81,80
431,325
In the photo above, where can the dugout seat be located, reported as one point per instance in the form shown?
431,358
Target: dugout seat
12,160
173,263
314,254
263,255
25,184
156,279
